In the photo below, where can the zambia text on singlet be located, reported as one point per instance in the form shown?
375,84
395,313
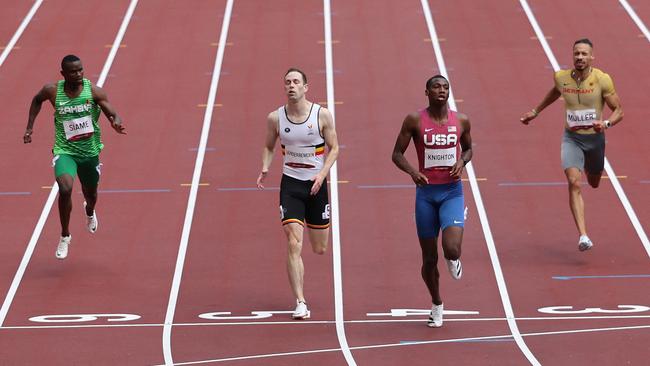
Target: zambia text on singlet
437,147
303,147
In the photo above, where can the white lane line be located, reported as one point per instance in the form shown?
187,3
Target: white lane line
487,232
639,23
196,178
19,31
415,343
55,188
336,236
321,322
608,168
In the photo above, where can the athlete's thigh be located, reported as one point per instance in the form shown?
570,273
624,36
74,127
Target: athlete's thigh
452,208
427,220
571,153
293,200
64,164
595,154
89,170
317,212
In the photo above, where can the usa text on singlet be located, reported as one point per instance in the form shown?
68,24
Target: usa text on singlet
76,127
437,147
303,147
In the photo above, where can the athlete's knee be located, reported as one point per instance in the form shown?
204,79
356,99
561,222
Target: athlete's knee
574,183
320,248
594,180
294,246
65,190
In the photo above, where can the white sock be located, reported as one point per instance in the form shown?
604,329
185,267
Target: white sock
583,238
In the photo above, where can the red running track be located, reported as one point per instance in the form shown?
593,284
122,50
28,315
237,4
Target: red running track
159,83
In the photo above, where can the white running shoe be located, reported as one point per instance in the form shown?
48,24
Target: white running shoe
301,312
62,248
584,243
435,318
91,221
455,268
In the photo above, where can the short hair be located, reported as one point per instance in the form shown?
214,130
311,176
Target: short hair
295,69
585,41
69,59
434,77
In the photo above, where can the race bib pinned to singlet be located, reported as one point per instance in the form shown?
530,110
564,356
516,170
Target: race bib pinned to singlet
78,128
434,158
581,118
299,156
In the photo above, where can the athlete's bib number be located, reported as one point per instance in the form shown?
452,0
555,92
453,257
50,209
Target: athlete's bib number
78,128
581,118
299,156
434,158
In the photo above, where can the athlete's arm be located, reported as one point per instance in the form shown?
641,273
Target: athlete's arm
550,97
272,135
326,122
47,92
102,100
614,103
406,133
466,146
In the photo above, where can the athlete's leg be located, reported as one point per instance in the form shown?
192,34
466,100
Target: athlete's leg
295,268
65,170
594,179
429,270
452,221
452,239
90,195
319,239
65,183
575,199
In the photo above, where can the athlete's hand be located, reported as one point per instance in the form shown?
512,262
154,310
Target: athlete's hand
419,179
457,170
527,117
599,126
318,182
116,123
260,179
27,137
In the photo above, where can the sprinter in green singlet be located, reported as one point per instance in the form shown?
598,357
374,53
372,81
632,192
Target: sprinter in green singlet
77,140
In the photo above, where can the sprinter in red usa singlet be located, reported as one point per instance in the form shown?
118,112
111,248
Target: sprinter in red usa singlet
444,146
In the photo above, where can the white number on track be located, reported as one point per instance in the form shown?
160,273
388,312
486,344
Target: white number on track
569,310
78,318
225,315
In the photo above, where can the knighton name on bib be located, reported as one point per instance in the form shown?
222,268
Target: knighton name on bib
434,158
581,117
78,128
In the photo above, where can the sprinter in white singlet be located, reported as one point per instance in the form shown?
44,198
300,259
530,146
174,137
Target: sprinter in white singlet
304,129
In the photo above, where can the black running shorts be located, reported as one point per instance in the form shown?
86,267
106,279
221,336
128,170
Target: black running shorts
297,205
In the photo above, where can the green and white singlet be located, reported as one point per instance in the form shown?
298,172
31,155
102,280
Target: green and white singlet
76,127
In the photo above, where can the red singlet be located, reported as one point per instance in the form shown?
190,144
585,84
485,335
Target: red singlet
437,147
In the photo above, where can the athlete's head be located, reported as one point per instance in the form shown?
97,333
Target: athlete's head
582,54
72,70
295,84
437,89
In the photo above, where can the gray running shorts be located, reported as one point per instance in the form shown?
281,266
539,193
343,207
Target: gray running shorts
585,152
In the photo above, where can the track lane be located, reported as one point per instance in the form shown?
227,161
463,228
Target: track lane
235,260
377,85
127,266
533,229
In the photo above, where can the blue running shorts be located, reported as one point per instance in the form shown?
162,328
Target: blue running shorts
438,206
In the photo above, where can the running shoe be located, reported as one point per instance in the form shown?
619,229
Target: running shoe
435,318
301,312
91,221
584,243
62,248
455,268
